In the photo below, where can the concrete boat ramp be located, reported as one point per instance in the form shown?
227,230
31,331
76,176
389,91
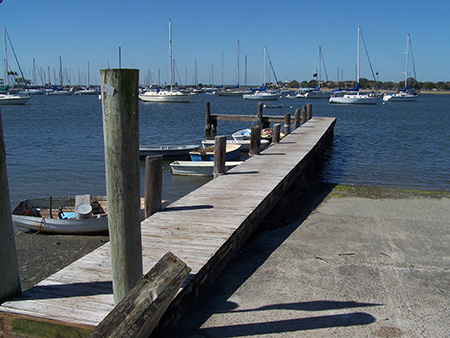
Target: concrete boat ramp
205,229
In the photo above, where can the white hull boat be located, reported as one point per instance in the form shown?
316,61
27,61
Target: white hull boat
166,96
355,99
11,99
167,151
262,96
203,168
245,144
400,97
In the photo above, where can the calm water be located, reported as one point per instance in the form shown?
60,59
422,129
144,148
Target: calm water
54,144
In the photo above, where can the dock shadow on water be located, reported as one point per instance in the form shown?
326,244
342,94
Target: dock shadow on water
301,199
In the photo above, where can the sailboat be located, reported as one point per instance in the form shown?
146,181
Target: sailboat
8,97
171,95
88,90
55,90
262,93
356,97
234,91
406,94
317,93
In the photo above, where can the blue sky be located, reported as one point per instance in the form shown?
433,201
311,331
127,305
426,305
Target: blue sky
86,30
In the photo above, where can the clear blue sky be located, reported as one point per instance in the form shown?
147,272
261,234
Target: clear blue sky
92,30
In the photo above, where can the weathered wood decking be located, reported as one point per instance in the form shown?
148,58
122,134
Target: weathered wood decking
204,228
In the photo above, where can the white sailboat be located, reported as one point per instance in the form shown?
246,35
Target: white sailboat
166,96
356,97
262,95
88,90
317,93
406,94
7,97
59,90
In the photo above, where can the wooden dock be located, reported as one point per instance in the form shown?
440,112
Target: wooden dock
204,229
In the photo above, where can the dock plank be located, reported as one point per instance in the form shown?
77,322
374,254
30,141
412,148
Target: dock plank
204,228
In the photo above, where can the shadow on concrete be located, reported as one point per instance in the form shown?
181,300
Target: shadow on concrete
299,201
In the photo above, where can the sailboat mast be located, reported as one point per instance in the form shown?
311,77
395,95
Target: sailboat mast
170,52
320,65
237,63
407,59
357,64
60,72
6,58
264,65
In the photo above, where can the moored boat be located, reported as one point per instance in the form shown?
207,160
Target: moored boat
167,151
245,144
198,168
207,154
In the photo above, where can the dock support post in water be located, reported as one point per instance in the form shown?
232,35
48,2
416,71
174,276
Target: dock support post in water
121,137
153,184
309,111
255,141
287,124
276,133
210,122
297,118
303,115
220,144
9,267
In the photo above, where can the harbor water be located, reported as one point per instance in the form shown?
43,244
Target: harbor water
54,144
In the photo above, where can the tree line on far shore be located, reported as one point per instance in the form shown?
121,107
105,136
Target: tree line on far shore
370,84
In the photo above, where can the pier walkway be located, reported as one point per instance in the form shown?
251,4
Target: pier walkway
204,229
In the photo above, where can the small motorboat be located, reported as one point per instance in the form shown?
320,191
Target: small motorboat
175,152
207,154
198,168
245,144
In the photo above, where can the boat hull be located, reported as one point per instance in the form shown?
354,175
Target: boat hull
61,226
189,168
12,99
166,97
354,99
207,154
167,151
261,97
245,144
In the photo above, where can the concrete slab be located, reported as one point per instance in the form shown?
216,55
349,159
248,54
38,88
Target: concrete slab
356,267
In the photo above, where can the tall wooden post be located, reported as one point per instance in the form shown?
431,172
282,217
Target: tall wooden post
153,184
276,133
287,124
297,118
207,117
260,114
9,267
309,111
304,115
220,144
121,138
255,141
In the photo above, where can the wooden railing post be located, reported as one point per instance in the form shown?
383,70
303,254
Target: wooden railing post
303,115
297,118
287,124
220,145
259,120
309,111
9,267
121,140
276,133
255,141
153,184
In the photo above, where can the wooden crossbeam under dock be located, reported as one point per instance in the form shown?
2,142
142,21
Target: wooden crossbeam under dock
204,229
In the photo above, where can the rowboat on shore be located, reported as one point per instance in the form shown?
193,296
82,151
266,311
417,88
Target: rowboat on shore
83,214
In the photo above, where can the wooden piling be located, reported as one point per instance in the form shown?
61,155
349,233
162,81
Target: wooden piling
121,140
9,267
220,145
276,133
297,118
309,111
153,184
259,119
255,141
303,115
287,124
210,121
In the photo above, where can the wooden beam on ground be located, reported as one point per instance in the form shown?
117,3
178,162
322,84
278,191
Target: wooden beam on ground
140,310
